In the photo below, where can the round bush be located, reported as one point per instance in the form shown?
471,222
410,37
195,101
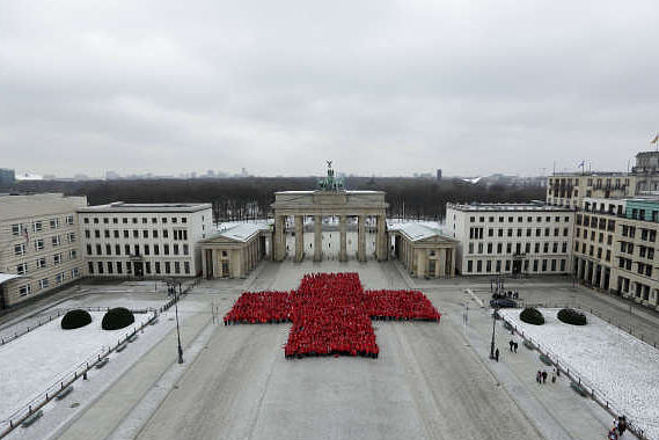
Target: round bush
531,315
117,318
571,316
76,319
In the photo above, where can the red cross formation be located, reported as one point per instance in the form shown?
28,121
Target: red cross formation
331,314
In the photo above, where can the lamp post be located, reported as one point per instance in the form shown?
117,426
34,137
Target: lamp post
494,322
172,288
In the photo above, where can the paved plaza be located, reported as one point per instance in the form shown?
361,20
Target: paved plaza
431,381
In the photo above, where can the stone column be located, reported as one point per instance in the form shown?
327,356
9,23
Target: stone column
580,269
299,238
381,245
279,243
361,238
343,254
452,265
421,263
442,262
318,238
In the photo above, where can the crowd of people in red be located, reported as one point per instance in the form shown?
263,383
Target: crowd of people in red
331,314
400,305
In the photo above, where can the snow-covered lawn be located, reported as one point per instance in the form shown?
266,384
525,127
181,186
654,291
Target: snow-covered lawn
616,364
36,360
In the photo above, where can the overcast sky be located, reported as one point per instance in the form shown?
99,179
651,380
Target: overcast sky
381,87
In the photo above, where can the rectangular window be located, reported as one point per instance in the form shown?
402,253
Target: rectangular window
38,244
186,265
108,249
37,226
43,283
99,266
165,249
126,233
110,268
156,249
145,233
90,268
480,248
57,259
69,220
71,237
19,249
41,262
186,250
154,233
73,254
117,249
24,290
119,268
21,269
157,264
59,278
75,272
55,239
54,223
168,268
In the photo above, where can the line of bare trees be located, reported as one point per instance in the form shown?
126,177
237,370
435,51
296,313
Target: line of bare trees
250,198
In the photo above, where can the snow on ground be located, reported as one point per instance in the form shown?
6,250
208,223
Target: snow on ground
619,366
36,360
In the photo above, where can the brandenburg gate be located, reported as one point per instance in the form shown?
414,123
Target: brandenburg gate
331,199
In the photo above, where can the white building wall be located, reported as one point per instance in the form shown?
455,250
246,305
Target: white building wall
45,227
540,240
162,243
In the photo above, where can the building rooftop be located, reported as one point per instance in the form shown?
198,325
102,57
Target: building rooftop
146,207
242,232
506,207
415,231
18,206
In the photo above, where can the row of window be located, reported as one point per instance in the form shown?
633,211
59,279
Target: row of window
594,235
18,229
42,262
544,265
519,219
641,268
138,269
489,248
476,233
596,222
40,243
178,234
134,220
44,283
590,250
137,250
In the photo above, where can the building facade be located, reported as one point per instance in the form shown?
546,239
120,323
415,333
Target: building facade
507,238
423,250
152,240
40,243
234,253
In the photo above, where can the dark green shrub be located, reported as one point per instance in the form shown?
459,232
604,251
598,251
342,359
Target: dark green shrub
117,318
571,316
75,319
531,315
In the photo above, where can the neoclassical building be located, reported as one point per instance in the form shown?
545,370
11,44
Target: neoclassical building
366,206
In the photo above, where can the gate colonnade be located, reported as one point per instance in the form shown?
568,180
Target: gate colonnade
319,204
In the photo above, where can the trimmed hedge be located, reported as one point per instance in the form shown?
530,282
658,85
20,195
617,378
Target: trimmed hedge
531,315
571,316
117,318
76,319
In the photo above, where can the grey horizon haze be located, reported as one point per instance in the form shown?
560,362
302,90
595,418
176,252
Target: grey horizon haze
380,87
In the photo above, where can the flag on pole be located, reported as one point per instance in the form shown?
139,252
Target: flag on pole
655,140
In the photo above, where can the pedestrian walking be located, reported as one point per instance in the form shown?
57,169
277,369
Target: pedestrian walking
515,346
496,355
511,344
544,376
538,377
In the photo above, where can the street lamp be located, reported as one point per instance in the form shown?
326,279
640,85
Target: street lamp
494,322
171,287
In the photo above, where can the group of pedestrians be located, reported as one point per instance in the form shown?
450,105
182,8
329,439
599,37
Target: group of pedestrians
514,345
541,376
618,429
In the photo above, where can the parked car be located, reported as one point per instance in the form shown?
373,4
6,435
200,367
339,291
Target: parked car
503,303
